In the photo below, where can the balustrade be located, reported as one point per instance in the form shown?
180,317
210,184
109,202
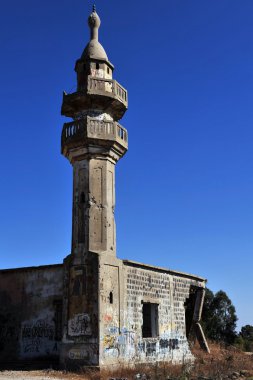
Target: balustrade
111,86
71,129
93,128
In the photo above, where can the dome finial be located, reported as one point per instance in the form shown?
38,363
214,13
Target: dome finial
94,24
94,49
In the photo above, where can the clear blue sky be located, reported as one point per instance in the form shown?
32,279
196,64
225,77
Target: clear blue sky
185,187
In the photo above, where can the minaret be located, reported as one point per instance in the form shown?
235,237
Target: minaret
93,143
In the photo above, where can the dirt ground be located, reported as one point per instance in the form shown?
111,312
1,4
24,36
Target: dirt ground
37,375
10,375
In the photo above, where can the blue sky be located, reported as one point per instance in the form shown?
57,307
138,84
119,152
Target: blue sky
184,189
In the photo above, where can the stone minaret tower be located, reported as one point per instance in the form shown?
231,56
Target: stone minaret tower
93,143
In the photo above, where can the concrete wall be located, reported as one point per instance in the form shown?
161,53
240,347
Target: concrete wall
30,315
90,312
80,343
121,335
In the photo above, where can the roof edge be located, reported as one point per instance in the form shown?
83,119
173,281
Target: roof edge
162,269
26,269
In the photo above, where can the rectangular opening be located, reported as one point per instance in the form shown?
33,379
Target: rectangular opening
150,320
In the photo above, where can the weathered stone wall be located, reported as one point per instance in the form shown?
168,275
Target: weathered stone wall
132,285
94,315
80,343
30,314
111,295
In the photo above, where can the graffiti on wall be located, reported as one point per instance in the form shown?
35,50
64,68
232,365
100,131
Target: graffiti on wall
78,354
40,329
172,344
150,348
119,345
9,324
8,331
87,354
128,344
109,341
38,338
80,325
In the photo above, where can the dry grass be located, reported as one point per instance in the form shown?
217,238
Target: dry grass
222,363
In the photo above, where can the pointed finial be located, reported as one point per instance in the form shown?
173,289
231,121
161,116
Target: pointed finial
94,49
94,24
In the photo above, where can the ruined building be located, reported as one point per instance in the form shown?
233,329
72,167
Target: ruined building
95,309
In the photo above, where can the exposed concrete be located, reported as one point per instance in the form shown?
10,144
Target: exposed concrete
80,340
30,314
132,285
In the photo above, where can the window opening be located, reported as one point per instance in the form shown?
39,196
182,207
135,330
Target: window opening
82,197
189,310
108,70
111,297
97,66
150,320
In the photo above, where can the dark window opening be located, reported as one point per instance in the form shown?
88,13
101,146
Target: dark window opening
82,198
111,297
108,70
150,320
189,310
97,66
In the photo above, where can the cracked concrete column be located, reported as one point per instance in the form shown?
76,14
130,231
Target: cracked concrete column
198,308
93,206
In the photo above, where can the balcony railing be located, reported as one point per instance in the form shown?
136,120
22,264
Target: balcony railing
71,129
94,129
109,86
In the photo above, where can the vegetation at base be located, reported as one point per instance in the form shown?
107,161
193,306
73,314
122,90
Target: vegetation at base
219,317
219,322
223,363
244,340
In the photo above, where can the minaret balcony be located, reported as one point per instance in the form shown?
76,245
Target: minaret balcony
104,94
91,131
101,86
